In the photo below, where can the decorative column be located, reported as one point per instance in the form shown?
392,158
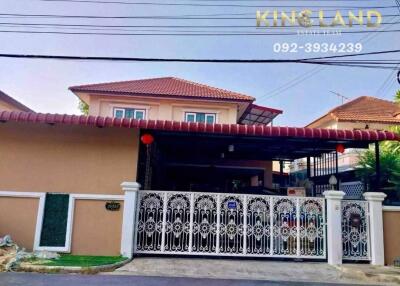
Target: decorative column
128,221
376,227
334,226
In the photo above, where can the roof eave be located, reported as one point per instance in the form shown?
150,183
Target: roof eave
113,93
193,127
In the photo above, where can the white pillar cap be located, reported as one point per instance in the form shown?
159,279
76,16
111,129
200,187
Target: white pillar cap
372,196
130,186
334,195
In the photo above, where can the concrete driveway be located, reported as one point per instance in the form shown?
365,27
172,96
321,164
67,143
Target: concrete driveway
235,269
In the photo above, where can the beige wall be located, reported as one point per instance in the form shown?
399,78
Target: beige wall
96,231
164,109
18,219
333,124
391,232
361,125
4,106
67,159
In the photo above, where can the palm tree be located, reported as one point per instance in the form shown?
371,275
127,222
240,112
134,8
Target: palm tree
389,166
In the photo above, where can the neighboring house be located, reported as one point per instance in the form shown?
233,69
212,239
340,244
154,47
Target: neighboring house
10,104
171,98
362,113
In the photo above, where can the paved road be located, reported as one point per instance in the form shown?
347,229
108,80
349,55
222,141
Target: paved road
35,279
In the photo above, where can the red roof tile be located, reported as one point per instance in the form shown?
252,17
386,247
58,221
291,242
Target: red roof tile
365,109
193,127
164,87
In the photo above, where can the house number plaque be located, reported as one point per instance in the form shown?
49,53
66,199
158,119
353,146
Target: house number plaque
113,206
231,205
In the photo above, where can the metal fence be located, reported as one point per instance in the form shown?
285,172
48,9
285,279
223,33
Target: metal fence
355,230
188,223
354,190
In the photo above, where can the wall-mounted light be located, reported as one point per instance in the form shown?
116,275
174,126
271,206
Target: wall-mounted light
231,148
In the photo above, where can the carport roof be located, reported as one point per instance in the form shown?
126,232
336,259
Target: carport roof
193,127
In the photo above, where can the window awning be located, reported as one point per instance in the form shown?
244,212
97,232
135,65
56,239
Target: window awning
259,115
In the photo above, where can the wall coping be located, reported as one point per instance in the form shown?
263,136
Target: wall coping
391,208
374,196
334,195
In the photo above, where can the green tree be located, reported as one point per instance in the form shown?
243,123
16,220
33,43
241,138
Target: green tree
389,166
83,107
389,163
397,97
393,146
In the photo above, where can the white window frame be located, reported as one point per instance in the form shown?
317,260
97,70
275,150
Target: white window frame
140,110
214,115
119,109
135,110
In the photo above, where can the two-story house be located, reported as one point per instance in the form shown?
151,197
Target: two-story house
168,166
172,98
175,99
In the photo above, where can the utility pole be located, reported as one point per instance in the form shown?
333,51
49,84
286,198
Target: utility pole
342,97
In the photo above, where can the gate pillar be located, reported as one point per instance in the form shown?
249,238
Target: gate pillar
128,220
334,226
376,227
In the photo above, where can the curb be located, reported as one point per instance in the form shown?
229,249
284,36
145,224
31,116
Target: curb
368,276
72,269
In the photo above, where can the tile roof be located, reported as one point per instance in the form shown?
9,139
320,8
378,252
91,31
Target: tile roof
11,101
165,87
194,127
365,109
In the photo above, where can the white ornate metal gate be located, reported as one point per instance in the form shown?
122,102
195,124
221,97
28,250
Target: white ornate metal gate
355,230
230,224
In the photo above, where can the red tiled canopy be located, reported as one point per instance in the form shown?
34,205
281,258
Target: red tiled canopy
193,127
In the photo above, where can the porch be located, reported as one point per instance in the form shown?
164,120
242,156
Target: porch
247,163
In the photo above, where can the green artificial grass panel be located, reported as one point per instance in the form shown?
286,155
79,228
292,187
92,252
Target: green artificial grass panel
82,260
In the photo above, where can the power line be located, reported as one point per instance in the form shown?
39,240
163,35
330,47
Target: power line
158,17
295,81
299,79
357,63
216,5
167,33
160,26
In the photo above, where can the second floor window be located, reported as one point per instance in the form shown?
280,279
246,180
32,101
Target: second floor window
130,113
200,117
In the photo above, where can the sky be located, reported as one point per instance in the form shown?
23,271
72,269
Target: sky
303,92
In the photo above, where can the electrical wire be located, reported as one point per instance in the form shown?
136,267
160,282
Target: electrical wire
158,17
51,25
167,33
217,5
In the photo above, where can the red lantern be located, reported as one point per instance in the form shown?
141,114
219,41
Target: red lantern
147,139
340,148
